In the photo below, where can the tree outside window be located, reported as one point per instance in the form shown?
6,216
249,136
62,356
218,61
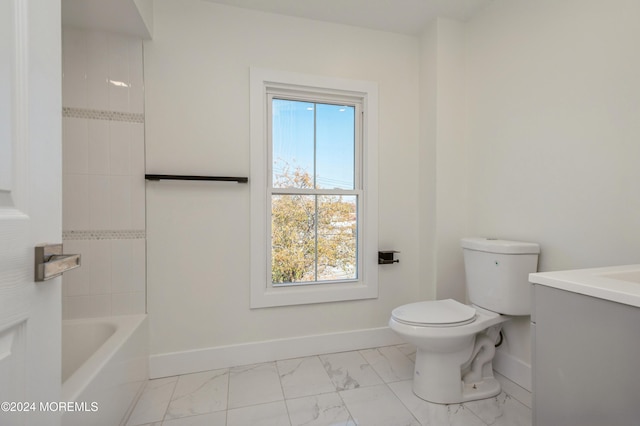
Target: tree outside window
314,197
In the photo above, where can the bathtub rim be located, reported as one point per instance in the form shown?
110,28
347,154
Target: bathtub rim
78,381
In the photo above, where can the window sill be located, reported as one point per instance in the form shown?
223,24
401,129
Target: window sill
313,293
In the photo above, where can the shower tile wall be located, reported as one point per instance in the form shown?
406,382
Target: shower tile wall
103,173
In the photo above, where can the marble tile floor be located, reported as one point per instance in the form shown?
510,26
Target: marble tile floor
369,387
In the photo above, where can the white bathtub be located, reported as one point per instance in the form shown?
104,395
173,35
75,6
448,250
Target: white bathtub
104,361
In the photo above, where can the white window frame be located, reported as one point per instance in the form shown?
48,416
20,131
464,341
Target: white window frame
263,293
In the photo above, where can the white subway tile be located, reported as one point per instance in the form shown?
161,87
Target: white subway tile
104,166
121,266
77,282
100,270
97,70
137,149
138,302
99,155
65,307
118,97
136,89
75,145
120,136
74,68
100,202
75,202
119,57
89,306
128,303
139,265
138,203
119,81
121,304
120,199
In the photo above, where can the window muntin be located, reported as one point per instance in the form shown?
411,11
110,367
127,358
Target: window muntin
314,187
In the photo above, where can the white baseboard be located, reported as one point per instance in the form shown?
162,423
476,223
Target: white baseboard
192,361
513,369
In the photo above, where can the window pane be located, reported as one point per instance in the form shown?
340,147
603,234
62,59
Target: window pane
293,238
293,143
337,248
310,246
335,146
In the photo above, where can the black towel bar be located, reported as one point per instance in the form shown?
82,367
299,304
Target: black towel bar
189,177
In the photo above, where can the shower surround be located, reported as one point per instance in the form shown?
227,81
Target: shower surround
103,173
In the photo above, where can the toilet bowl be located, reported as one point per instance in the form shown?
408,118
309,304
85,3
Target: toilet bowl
455,347
456,342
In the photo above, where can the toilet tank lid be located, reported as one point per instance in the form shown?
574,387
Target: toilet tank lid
493,245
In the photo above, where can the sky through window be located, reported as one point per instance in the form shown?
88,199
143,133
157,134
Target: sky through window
318,138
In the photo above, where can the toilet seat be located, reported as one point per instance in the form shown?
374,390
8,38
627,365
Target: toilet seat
435,313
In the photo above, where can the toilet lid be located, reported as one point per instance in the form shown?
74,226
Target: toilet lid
441,313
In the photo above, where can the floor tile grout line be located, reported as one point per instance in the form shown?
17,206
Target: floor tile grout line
166,410
466,407
336,387
371,366
344,404
125,420
284,398
142,394
203,385
403,404
226,411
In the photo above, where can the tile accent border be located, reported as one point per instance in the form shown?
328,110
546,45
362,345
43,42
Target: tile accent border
104,235
94,114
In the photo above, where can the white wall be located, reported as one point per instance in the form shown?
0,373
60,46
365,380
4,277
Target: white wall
553,128
428,137
197,122
443,155
103,173
520,124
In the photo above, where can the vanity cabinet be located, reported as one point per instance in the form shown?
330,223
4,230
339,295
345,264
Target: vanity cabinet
586,360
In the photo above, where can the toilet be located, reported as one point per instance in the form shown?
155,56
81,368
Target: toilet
456,342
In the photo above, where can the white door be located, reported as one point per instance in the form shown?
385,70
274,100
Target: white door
30,207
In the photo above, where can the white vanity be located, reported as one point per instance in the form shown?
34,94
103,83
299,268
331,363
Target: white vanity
585,326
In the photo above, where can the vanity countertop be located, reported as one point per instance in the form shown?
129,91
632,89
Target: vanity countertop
615,283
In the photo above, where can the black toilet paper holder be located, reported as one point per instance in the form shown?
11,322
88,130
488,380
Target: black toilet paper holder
387,257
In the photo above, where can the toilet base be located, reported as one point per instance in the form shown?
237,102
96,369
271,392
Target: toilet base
438,378
487,388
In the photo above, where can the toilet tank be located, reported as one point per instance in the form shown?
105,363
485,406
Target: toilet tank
498,274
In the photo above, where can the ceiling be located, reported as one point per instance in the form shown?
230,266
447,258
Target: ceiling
117,16
399,16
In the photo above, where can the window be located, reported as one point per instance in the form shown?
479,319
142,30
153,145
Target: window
314,189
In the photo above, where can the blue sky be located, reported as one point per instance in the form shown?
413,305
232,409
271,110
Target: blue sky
293,140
